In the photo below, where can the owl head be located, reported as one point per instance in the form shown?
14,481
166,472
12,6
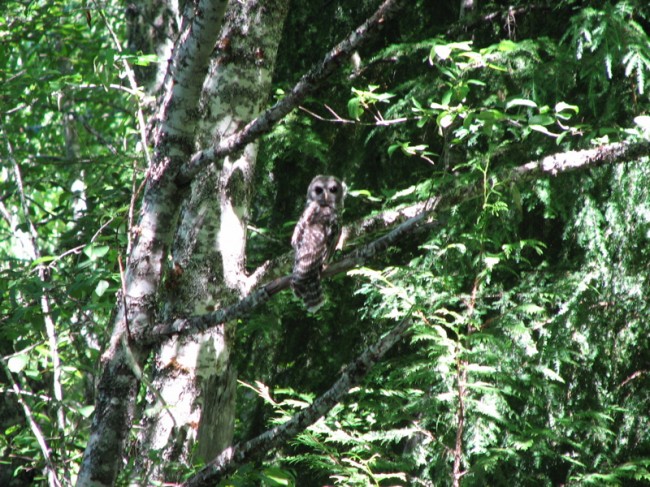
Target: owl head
326,191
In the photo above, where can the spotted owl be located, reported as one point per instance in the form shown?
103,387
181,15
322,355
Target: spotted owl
315,238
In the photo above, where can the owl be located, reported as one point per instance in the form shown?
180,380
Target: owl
315,238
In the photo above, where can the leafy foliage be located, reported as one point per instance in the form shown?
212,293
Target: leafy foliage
69,142
526,363
527,305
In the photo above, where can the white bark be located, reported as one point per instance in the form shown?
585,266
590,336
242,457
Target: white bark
209,268
118,384
194,375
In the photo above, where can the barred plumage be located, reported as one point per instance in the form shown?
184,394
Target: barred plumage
315,238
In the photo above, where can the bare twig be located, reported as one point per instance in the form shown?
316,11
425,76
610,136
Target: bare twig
36,430
336,119
44,276
379,121
505,15
142,128
635,375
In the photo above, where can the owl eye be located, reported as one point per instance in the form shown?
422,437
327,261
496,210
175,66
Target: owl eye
318,189
334,189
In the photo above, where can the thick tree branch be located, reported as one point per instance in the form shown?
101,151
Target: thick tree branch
583,159
234,457
195,324
307,84
551,165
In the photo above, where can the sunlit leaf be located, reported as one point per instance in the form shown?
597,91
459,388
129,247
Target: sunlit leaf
17,363
95,252
520,102
101,288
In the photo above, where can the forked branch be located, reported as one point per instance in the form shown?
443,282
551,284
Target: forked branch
195,324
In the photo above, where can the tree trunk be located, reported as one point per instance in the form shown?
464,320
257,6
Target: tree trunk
192,395
122,362
194,375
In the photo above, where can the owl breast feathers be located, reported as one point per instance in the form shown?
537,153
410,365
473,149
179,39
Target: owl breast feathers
315,238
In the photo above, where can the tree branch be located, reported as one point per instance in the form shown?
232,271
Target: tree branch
583,159
199,323
50,468
234,457
307,84
471,22
34,251
419,218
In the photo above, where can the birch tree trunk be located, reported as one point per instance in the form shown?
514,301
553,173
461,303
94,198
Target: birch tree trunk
123,360
194,375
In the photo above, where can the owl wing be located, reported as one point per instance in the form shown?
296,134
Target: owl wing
303,223
312,241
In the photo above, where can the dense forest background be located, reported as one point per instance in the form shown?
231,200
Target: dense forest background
488,320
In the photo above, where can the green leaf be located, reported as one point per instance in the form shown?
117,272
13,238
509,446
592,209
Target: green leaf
643,121
530,309
562,106
541,120
278,477
363,193
442,51
95,252
86,411
551,374
506,46
445,119
491,261
446,98
355,110
520,102
101,288
146,59
17,363
42,260
491,115
542,129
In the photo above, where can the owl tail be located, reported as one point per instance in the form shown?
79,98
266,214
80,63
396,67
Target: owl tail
307,287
